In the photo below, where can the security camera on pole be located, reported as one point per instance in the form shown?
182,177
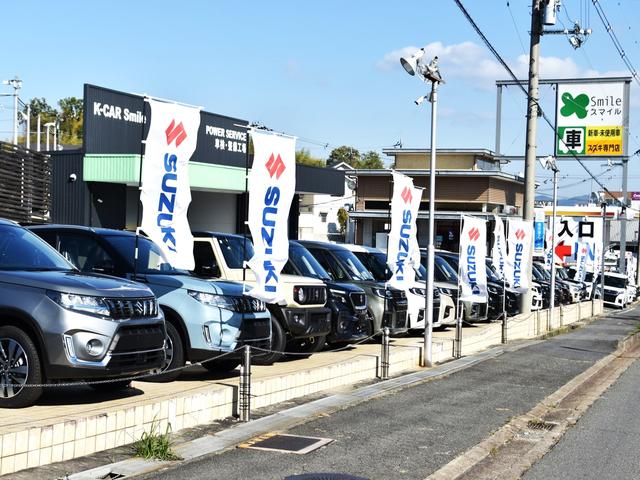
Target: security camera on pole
428,73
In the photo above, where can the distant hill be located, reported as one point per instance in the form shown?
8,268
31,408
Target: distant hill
564,202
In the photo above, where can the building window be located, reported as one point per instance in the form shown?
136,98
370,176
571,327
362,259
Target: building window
323,217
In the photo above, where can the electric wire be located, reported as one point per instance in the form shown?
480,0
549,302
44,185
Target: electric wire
518,83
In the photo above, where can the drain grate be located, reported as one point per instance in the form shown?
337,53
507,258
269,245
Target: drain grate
280,442
111,476
540,425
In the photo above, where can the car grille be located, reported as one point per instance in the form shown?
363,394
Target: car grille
247,304
255,329
314,295
137,361
359,300
139,338
124,308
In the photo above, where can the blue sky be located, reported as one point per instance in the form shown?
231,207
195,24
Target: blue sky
326,71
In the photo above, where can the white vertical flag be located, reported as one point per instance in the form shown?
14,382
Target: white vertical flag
520,243
272,184
473,252
166,194
403,252
499,250
581,261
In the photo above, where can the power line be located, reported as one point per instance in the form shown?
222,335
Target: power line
519,84
515,27
614,39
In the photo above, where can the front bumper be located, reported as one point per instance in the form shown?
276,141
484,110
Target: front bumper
475,312
347,326
132,346
306,322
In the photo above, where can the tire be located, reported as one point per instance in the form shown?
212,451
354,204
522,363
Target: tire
111,386
222,366
306,346
175,356
278,344
19,365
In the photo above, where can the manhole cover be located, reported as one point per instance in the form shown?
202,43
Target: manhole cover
280,442
540,425
324,476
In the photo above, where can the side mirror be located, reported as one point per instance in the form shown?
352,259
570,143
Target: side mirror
208,271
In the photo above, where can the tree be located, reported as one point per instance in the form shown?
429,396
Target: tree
71,120
371,160
343,218
304,157
346,154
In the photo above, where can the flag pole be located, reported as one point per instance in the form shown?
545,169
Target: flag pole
458,339
138,220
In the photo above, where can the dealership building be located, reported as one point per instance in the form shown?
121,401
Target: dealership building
98,184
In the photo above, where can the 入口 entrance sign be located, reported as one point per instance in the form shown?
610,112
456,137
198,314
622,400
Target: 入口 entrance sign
591,118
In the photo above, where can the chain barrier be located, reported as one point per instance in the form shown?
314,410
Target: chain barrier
121,379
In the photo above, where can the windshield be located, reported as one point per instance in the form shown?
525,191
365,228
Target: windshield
588,277
542,272
376,263
443,271
562,274
354,267
232,248
301,262
150,258
491,275
616,282
22,250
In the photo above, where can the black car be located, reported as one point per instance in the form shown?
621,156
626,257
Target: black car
387,306
348,302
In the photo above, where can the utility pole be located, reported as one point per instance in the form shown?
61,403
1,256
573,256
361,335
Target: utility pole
532,124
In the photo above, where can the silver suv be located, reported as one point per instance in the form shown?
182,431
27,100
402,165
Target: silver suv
58,324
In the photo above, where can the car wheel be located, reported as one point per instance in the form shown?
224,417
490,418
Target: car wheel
278,344
175,356
19,366
306,346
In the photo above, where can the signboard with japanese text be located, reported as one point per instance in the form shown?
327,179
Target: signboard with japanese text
579,242
590,119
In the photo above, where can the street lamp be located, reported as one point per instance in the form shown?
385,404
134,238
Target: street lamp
16,83
549,163
428,73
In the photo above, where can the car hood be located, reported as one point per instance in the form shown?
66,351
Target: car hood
347,287
77,282
188,282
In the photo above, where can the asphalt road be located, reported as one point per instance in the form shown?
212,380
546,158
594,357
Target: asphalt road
604,443
411,433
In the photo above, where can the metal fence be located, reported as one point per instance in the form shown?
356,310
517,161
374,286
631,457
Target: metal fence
25,184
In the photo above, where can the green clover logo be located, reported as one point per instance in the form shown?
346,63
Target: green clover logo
576,105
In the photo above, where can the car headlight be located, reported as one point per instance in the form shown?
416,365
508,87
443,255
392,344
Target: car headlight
221,301
421,292
81,303
382,292
339,295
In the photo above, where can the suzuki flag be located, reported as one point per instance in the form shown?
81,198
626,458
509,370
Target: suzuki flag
499,251
520,243
473,252
403,252
272,184
165,192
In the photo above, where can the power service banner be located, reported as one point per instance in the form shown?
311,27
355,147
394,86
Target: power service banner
166,193
520,243
403,252
499,250
473,252
272,184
